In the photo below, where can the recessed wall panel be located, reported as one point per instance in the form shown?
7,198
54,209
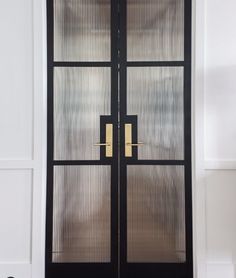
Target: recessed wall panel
17,80
15,215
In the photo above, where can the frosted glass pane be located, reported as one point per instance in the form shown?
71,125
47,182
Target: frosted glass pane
155,30
81,214
156,96
82,30
156,214
81,96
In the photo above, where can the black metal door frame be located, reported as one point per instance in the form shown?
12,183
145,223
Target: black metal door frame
88,270
153,270
118,267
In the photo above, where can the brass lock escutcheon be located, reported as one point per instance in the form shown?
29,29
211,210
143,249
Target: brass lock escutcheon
109,141
128,141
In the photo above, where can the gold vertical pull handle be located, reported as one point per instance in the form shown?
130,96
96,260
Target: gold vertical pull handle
128,141
109,141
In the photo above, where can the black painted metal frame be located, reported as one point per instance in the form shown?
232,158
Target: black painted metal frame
153,270
89,270
118,267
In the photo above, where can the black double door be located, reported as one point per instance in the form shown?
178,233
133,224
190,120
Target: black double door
119,139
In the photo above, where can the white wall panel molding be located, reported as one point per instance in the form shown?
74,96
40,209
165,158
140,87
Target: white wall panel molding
39,135
16,100
16,215
199,189
220,85
221,222
217,164
23,138
16,141
220,135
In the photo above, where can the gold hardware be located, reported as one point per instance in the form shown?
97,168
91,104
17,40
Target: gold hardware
135,144
102,144
128,141
109,141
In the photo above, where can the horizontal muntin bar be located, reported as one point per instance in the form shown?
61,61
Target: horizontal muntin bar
81,64
80,162
156,64
154,162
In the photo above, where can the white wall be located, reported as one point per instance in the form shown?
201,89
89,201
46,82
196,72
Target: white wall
22,188
220,137
16,145
22,175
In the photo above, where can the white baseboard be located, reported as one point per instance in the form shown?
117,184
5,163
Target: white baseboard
16,270
221,270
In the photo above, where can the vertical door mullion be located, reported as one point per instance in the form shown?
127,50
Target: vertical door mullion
114,116
49,203
123,112
187,134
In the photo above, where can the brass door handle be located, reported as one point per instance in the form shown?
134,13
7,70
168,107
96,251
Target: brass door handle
128,141
135,144
102,144
109,141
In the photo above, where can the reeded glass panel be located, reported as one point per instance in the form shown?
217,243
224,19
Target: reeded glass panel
81,96
155,30
156,214
82,30
81,214
156,96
